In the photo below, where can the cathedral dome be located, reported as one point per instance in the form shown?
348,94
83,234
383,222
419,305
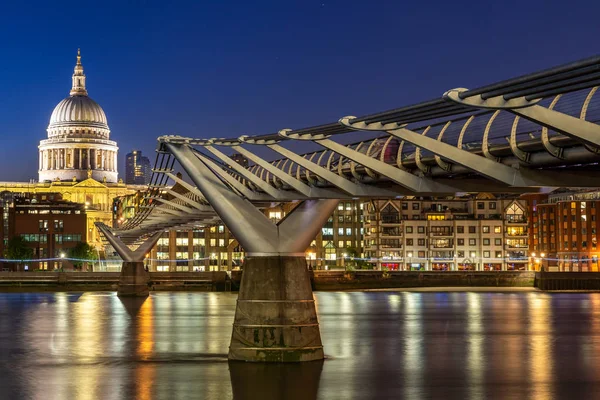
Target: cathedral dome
77,111
78,145
78,115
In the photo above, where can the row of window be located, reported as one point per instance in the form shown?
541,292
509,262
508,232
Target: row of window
43,224
61,238
50,211
396,218
349,218
440,243
195,242
347,206
471,229
341,231
58,238
459,254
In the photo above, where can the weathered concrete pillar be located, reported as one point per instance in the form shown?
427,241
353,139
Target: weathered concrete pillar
134,279
275,318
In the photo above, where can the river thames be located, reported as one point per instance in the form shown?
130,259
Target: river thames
379,345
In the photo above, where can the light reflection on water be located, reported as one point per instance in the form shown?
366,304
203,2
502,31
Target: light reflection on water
380,345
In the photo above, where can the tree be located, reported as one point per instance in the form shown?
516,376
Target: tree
17,249
353,259
82,251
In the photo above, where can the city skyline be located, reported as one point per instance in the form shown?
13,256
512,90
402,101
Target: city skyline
209,71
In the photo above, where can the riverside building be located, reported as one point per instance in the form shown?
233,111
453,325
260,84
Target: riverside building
479,233
49,225
566,228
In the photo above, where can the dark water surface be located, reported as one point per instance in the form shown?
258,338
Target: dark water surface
380,345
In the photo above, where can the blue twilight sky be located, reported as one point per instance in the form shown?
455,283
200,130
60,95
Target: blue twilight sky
226,68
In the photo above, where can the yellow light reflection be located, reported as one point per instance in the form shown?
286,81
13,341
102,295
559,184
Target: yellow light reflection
88,344
413,345
540,338
145,331
475,358
145,372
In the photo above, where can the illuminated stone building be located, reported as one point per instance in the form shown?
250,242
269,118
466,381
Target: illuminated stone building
78,161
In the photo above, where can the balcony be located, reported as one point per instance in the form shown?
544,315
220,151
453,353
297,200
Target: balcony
515,232
516,260
391,232
516,246
513,219
441,243
445,233
390,244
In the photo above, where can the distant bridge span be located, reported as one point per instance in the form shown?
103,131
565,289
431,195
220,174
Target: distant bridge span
521,135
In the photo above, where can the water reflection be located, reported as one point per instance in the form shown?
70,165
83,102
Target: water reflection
275,381
379,345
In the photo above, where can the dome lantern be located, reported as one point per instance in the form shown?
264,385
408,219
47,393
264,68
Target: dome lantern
78,88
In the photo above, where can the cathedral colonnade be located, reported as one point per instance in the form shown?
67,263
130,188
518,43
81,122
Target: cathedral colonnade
63,157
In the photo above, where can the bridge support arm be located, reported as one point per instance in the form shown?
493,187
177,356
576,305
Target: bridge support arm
134,278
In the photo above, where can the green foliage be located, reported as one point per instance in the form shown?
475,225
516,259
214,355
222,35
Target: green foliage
82,251
386,272
17,249
353,261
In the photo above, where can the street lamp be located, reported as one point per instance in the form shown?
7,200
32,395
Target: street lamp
409,260
62,256
532,262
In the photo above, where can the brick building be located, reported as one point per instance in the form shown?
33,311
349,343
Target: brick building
50,225
567,227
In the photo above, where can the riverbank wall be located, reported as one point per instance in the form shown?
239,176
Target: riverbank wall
561,281
106,281
217,281
342,280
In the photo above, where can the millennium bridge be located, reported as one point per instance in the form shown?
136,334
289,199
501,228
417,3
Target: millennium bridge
526,134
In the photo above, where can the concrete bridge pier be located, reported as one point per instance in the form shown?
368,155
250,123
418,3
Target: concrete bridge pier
134,277
275,318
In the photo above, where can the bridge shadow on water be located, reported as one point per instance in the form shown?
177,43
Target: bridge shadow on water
295,381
